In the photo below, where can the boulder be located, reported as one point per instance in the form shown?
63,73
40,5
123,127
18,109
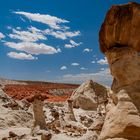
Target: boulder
122,120
89,95
46,136
12,134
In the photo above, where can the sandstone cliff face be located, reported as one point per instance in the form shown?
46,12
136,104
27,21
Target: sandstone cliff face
120,42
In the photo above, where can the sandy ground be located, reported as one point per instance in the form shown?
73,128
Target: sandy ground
22,131
19,130
20,121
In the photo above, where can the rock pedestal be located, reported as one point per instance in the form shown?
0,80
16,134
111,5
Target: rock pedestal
71,115
120,41
38,112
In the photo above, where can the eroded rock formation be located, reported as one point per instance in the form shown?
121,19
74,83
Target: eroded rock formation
55,124
120,42
122,120
71,115
89,95
38,111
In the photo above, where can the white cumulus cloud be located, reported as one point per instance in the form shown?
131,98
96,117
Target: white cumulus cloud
87,50
83,68
93,62
34,29
102,77
102,69
63,68
2,35
75,64
27,36
29,40
21,56
62,34
69,46
103,61
72,44
18,28
32,48
51,21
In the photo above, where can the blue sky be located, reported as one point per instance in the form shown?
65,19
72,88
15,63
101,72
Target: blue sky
53,40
